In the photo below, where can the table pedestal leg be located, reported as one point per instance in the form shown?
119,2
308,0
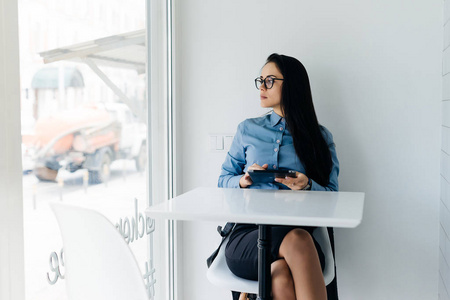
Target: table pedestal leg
264,273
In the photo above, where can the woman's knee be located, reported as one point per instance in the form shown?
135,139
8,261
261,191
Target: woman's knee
282,282
297,240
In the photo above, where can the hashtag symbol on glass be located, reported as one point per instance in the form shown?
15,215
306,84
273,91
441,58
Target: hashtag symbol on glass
149,279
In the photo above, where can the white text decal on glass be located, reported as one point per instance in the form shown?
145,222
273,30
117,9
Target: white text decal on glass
131,231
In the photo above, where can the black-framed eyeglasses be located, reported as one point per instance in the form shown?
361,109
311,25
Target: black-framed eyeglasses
268,82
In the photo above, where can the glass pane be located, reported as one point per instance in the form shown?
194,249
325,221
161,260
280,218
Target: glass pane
84,128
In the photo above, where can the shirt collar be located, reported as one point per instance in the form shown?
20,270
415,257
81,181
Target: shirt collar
276,119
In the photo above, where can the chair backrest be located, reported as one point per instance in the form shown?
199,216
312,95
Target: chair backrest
323,239
98,262
220,275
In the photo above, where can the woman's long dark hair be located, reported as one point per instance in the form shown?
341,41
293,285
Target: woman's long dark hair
298,110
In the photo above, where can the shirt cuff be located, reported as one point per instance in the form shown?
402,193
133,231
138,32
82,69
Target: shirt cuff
316,187
234,182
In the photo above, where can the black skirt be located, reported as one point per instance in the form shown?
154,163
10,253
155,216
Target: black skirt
242,250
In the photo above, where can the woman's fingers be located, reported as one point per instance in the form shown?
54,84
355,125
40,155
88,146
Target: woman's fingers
294,183
245,180
286,181
258,167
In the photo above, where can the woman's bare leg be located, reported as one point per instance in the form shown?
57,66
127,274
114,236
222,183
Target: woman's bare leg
282,282
300,254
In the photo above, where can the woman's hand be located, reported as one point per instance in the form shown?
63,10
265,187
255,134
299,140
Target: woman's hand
245,180
294,183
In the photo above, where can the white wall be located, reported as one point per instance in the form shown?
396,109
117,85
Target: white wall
376,74
444,231
11,220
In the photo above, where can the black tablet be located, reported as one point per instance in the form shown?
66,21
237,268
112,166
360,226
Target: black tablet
268,176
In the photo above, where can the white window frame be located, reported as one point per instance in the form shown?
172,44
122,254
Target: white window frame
12,283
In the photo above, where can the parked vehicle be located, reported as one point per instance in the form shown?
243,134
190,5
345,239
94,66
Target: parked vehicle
88,138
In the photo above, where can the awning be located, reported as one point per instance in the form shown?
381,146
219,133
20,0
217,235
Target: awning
126,50
123,51
48,78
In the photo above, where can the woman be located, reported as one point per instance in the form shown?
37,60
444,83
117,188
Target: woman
288,138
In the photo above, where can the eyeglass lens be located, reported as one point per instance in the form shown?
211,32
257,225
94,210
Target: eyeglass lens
268,82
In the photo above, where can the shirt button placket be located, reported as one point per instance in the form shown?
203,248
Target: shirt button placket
277,145
275,152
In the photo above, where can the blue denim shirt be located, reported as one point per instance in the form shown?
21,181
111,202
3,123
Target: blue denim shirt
266,140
